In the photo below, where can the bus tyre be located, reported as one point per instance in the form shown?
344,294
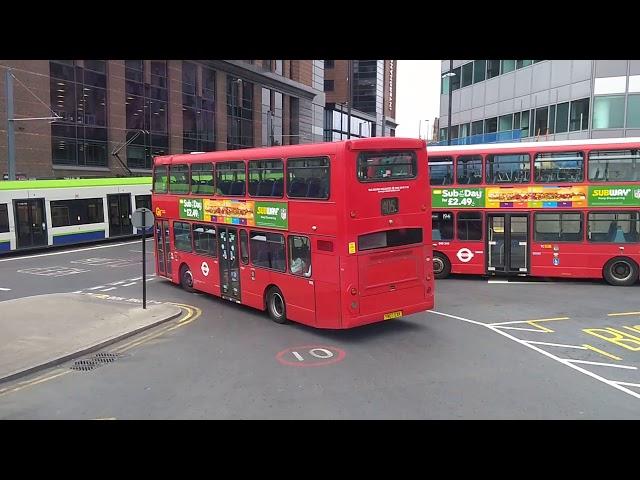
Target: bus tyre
441,265
186,278
276,306
621,271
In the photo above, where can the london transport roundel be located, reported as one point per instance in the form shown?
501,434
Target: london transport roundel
464,255
205,268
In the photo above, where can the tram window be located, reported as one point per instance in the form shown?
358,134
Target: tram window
202,178
469,168
614,165
76,212
160,179
182,236
268,250
564,167
508,168
386,166
558,227
230,178
613,227
266,178
179,179
442,226
143,201
299,255
469,226
308,177
4,218
440,170
204,239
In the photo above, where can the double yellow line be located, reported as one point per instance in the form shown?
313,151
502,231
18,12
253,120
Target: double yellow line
192,314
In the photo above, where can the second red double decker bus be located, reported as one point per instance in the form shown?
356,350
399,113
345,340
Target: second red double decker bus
331,235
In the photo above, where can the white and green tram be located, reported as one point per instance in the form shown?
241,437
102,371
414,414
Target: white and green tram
40,213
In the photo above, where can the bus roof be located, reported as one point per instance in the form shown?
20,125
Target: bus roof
551,145
307,149
72,183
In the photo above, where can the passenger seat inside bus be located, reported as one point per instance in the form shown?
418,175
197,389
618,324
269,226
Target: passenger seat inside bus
237,188
298,188
278,188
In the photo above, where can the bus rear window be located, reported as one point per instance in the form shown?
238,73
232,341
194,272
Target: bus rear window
390,238
386,166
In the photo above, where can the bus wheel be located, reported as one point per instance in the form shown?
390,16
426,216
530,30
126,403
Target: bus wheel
276,306
621,271
186,279
441,266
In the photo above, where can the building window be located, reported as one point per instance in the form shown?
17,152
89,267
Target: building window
469,226
633,111
300,255
493,68
442,226
505,123
524,123
608,112
266,178
477,128
491,125
562,117
182,236
4,218
278,65
613,227
328,85
308,177
507,66
146,113
566,167
239,113
198,110
329,64
541,121
579,115
440,170
268,250
464,130
469,169
558,227
79,96
479,70
365,76
467,74
455,79
614,165
508,168
523,63
204,239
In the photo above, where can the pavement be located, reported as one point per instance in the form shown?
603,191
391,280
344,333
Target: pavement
40,331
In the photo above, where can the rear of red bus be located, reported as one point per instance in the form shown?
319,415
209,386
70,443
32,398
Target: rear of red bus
386,261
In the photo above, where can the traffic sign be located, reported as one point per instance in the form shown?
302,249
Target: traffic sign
142,218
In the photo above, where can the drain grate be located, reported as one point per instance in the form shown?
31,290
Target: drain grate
99,359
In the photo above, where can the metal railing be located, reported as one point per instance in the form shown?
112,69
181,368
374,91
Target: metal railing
495,137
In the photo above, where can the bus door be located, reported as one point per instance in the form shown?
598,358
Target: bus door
31,226
163,248
508,242
229,262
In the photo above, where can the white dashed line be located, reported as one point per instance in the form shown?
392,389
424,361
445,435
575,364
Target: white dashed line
129,284
96,288
107,289
5,289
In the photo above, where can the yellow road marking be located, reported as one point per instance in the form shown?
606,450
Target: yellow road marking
533,323
623,313
35,381
601,352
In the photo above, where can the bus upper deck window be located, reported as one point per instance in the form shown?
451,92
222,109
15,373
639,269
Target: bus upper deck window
386,166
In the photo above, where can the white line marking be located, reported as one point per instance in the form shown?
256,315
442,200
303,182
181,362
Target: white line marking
546,354
117,283
67,251
129,284
557,345
629,384
96,288
527,321
603,364
5,289
77,291
135,279
518,328
107,289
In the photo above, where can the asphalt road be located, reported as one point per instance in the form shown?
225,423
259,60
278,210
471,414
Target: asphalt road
532,350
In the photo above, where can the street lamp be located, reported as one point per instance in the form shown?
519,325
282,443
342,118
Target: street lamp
447,75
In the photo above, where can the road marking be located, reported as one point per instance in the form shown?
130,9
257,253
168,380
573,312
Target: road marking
506,282
136,279
105,418
523,329
57,271
96,288
129,284
629,384
557,345
35,381
590,347
5,289
545,353
623,313
117,283
107,289
628,367
69,251
527,321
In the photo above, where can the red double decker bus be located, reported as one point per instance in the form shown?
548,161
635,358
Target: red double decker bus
331,235
545,209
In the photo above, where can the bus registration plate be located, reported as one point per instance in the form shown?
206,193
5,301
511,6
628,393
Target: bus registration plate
389,316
